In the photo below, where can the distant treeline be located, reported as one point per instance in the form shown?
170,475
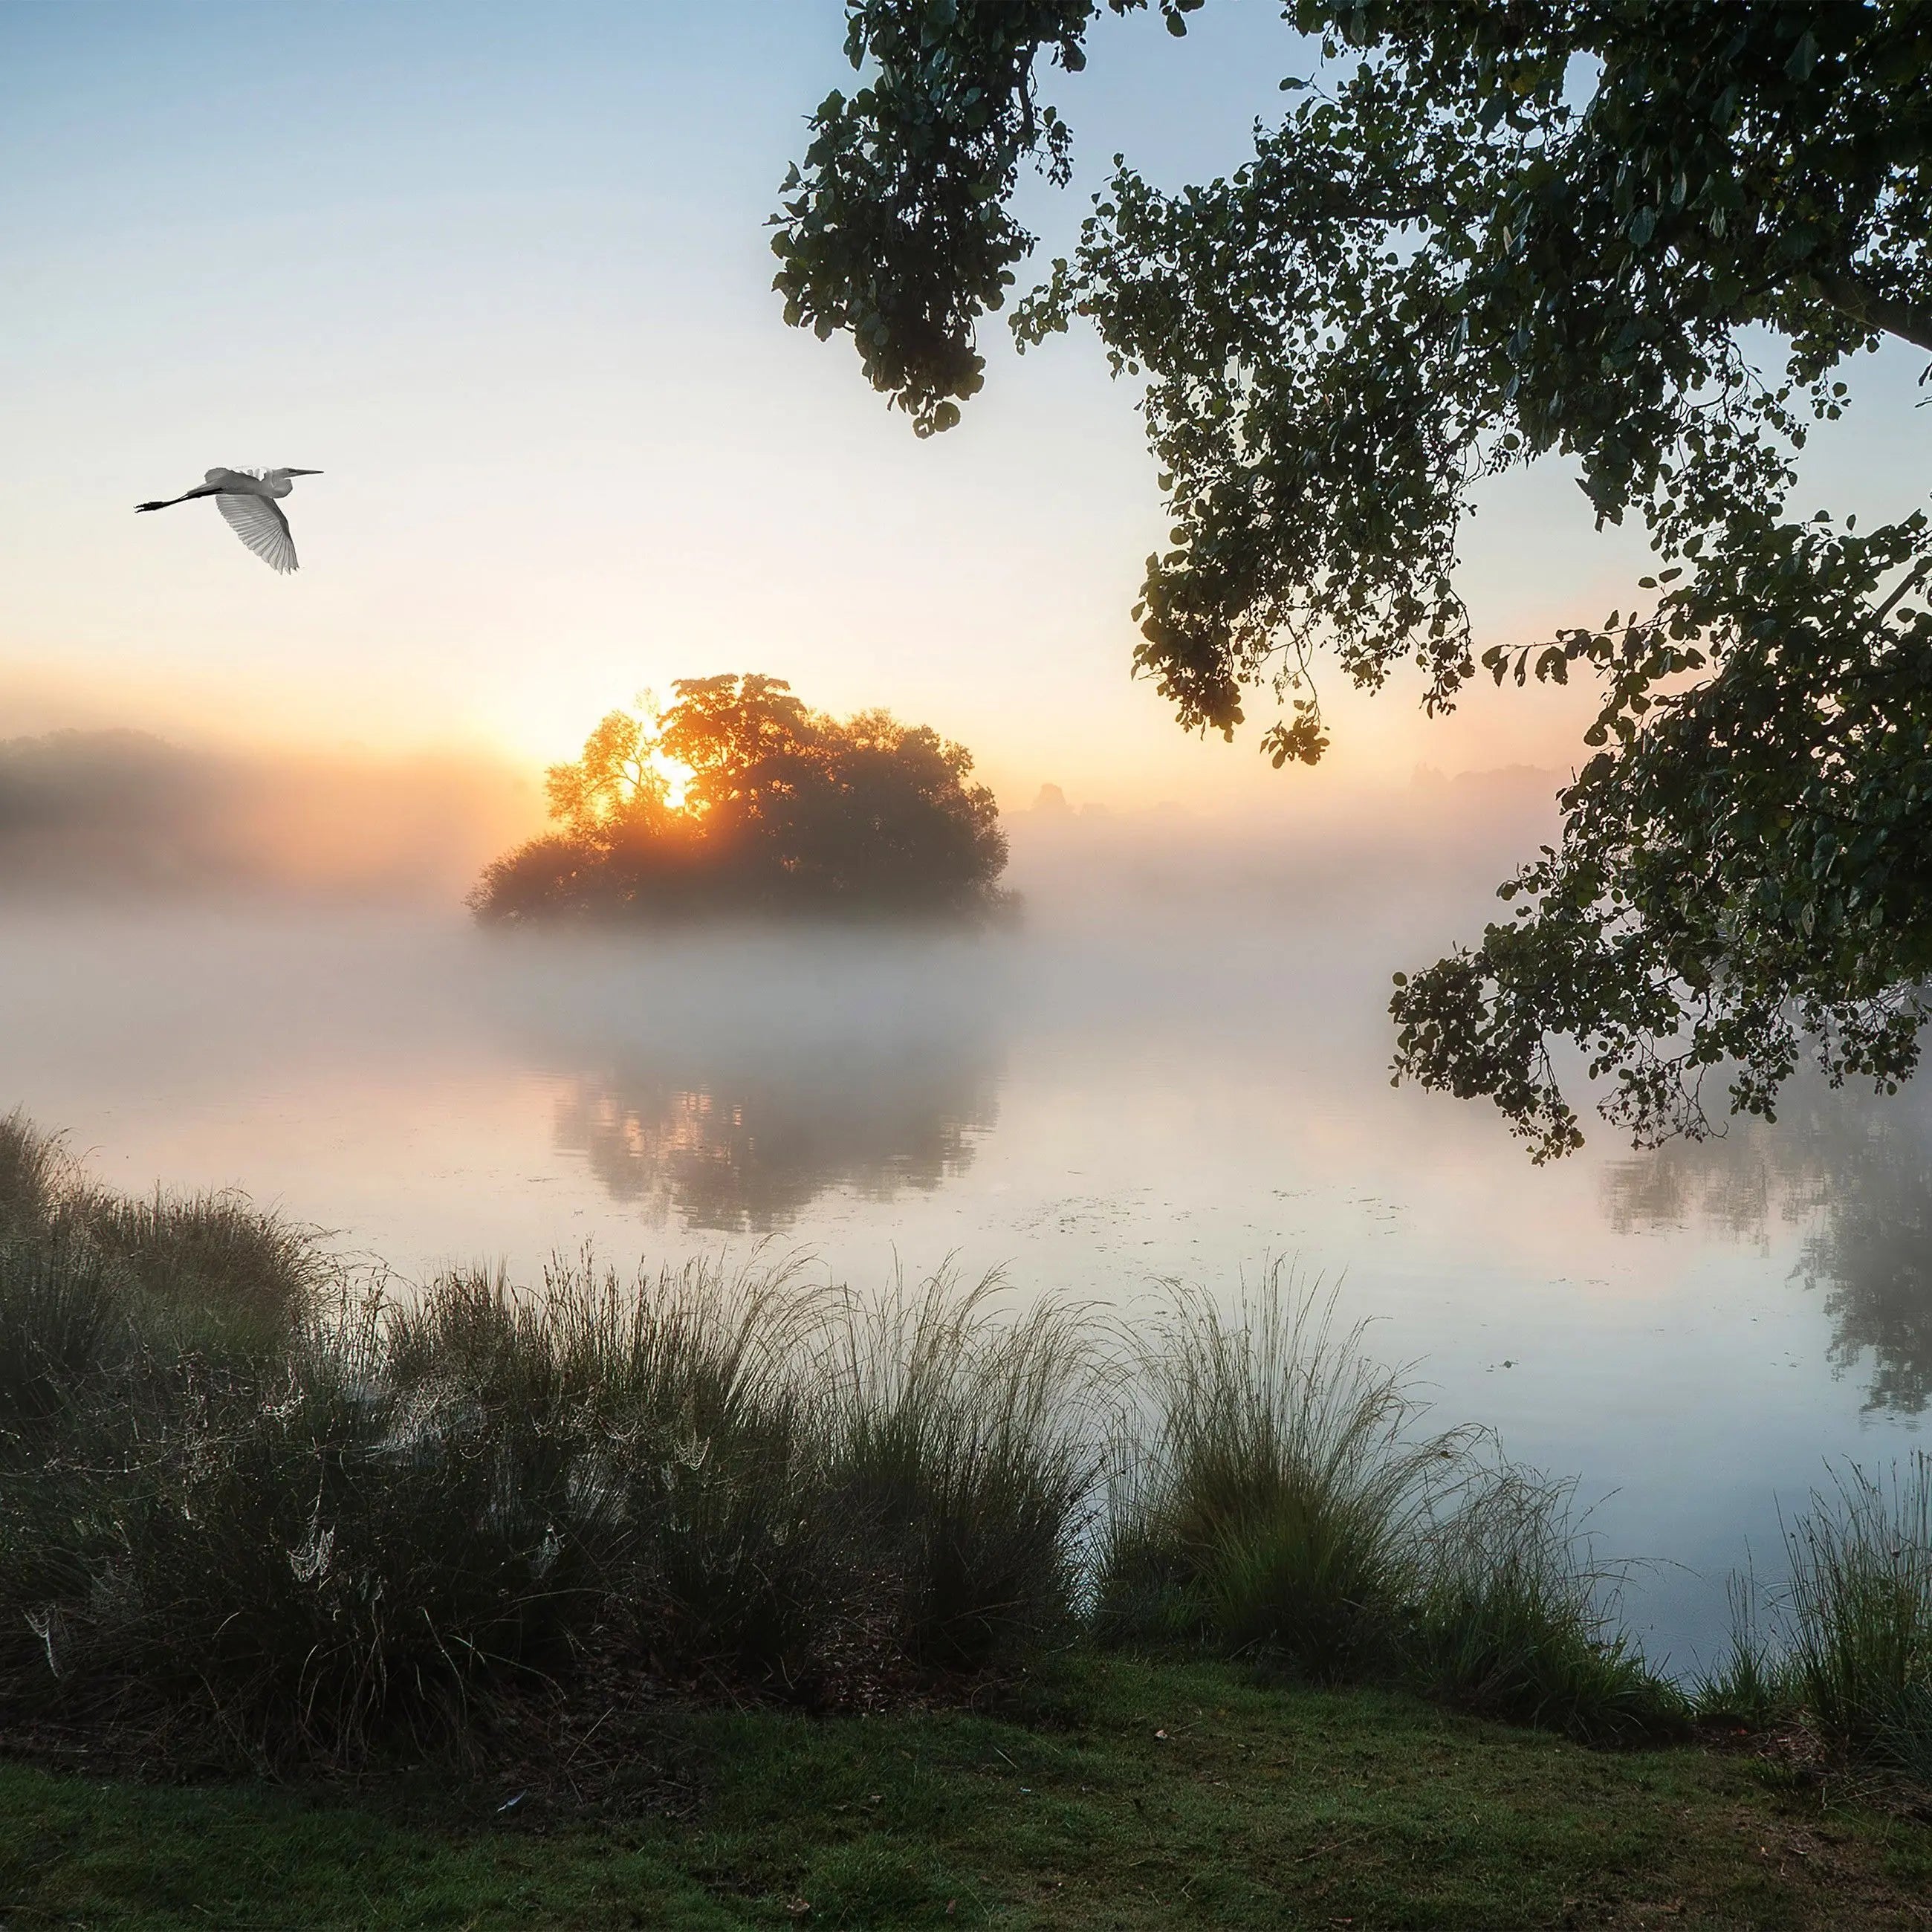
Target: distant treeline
121,815
737,797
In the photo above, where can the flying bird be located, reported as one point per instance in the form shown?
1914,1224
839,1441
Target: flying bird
247,498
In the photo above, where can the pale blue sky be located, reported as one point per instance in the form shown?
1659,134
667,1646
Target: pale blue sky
500,271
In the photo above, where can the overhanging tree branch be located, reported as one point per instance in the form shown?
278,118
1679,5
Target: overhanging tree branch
1866,306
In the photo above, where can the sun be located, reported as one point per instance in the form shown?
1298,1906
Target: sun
677,776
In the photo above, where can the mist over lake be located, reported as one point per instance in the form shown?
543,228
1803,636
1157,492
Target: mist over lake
1171,1067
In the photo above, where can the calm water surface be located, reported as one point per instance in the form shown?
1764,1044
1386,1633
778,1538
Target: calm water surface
1125,1091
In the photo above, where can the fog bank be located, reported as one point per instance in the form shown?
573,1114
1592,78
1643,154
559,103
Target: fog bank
124,814
114,815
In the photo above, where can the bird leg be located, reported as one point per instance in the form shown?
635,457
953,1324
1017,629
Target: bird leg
202,489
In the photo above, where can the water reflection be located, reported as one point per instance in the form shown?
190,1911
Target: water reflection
728,1091
1857,1173
1873,1260
748,1149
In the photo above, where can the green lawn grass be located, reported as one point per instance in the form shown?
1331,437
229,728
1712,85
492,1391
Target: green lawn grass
1124,1794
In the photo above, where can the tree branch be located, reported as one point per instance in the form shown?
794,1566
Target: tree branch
1857,298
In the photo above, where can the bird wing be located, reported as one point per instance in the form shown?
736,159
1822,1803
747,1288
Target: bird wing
260,524
222,475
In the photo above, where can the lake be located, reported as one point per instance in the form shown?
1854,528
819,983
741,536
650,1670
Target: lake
1160,1074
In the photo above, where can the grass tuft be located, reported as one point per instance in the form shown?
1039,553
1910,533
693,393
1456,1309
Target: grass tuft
269,1512
1281,1500
1273,1499
1860,1613
965,1445
258,1510
1752,1683
1516,1617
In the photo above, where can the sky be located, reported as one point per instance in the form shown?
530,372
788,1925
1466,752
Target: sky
500,272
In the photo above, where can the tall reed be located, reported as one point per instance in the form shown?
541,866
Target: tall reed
1517,1616
1860,1612
965,1443
1278,1496
291,1513
1275,1495
1752,1682
31,1170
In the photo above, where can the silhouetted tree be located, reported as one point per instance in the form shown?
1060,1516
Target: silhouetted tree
783,808
1649,236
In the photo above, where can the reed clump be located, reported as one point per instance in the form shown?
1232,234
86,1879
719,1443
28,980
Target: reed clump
968,1446
264,1510
1275,1495
1517,1616
1845,1645
1860,1613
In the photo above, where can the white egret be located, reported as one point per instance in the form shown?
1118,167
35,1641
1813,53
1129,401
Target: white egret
247,498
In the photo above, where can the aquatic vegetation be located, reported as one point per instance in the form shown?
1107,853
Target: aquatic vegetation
1516,1616
1271,1491
1751,1683
413,1507
967,1443
1860,1613
30,1171
1843,1644
1279,1498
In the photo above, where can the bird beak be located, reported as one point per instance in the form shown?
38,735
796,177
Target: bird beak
305,472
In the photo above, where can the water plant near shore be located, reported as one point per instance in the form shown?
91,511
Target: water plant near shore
1281,1498
1274,1494
1516,1616
1860,1655
1844,1644
412,1506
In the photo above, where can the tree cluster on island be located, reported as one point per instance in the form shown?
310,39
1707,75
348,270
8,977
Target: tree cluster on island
737,798
1648,240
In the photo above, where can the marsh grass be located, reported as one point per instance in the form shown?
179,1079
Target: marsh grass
269,1509
1860,1613
1516,1617
227,1275
1274,1496
31,1167
967,1445
1842,1647
1279,1497
250,1501
61,1324
1752,1682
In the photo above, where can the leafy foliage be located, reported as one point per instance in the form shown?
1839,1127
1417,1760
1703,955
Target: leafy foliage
1643,239
782,809
1746,865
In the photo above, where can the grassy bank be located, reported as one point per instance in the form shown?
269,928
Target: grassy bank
752,1599
253,1513
1136,1794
